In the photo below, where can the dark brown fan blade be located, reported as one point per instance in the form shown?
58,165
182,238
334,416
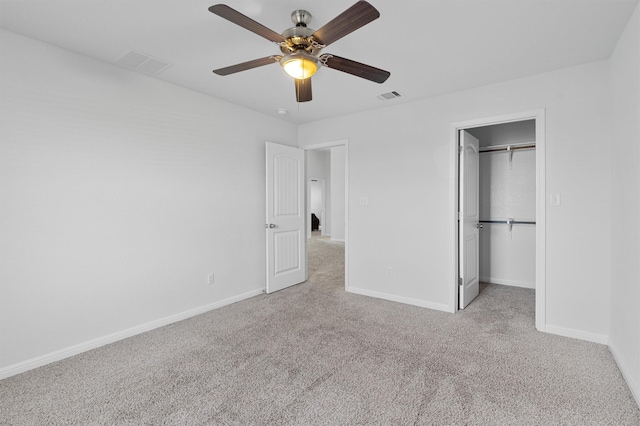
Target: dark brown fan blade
358,15
357,69
303,90
246,65
238,18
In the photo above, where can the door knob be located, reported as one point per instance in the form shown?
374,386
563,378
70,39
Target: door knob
270,225
479,225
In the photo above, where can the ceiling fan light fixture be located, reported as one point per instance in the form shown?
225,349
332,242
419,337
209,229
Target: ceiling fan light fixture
299,65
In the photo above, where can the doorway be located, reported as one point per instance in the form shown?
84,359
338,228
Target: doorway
327,191
526,219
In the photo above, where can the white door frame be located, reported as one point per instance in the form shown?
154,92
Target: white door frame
539,117
323,145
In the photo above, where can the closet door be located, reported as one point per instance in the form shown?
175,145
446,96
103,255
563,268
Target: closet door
469,222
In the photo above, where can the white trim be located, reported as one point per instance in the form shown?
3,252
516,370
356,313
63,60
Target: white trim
338,240
634,387
540,286
346,215
512,283
58,355
399,299
345,143
453,217
577,334
541,222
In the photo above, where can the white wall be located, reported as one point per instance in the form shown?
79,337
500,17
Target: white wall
624,334
338,193
119,193
400,157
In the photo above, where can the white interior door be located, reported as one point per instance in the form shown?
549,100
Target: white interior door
469,223
285,220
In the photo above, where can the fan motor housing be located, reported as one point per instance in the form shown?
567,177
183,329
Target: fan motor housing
299,38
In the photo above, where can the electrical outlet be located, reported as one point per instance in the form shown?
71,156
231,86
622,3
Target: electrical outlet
389,271
210,279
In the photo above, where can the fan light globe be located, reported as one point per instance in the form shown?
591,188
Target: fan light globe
299,66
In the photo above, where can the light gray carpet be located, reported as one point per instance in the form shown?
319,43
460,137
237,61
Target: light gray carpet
315,355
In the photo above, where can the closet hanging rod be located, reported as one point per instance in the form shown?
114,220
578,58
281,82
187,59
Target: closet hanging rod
512,222
505,148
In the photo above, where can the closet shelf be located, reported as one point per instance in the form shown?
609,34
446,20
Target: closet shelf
500,148
510,222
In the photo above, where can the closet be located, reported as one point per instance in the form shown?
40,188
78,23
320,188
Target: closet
507,203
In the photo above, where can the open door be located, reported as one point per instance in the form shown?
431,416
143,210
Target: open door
469,223
285,220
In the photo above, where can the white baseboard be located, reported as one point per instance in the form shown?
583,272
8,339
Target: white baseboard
400,299
634,386
576,334
339,240
512,283
58,355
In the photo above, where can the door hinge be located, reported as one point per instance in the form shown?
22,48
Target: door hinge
459,281
459,149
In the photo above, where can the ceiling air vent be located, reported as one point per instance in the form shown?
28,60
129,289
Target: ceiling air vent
389,95
142,62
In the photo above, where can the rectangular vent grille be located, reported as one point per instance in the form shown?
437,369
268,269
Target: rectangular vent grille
142,62
389,95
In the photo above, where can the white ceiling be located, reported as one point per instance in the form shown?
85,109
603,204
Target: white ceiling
430,47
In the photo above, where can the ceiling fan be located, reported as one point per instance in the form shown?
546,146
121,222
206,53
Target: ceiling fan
301,46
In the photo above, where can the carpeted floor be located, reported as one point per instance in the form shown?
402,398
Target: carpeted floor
316,355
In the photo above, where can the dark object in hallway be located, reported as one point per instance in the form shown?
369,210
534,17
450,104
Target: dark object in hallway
315,222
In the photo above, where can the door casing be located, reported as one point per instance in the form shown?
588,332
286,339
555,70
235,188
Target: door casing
539,117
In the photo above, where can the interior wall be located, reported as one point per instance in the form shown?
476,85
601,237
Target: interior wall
120,193
400,157
624,334
507,190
